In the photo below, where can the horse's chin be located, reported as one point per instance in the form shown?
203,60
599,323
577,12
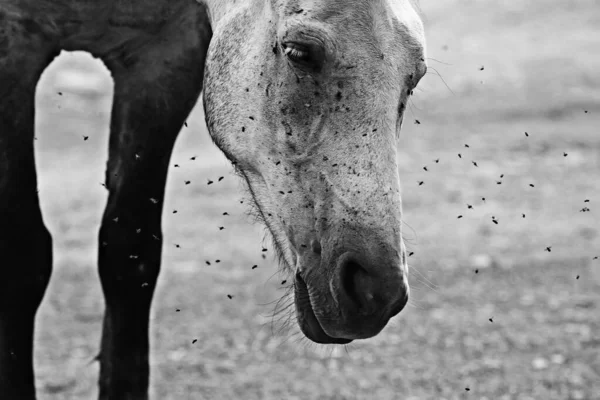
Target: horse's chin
307,320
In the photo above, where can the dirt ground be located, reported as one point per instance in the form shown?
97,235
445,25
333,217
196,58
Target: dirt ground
493,314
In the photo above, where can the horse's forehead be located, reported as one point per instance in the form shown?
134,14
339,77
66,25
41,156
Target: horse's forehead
395,19
401,10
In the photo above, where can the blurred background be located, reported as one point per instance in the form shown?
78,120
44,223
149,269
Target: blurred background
493,314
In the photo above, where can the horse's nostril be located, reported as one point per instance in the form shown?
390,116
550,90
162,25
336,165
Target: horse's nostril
358,286
367,290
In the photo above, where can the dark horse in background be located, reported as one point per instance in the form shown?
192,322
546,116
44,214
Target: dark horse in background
304,97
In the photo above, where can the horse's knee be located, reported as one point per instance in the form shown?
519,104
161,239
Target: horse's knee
129,255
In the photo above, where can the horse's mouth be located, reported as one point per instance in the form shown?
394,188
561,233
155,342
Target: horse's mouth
307,320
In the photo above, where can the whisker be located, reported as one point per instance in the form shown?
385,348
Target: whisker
441,62
413,304
412,229
440,76
413,103
427,285
430,284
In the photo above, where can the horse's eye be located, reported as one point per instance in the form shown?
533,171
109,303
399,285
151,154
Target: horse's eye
296,52
304,56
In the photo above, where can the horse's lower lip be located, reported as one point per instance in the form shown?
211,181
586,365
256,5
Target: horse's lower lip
309,324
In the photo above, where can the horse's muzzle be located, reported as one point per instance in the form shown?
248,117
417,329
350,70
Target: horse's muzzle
357,303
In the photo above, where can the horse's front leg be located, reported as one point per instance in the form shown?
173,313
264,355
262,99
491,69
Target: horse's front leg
25,243
153,97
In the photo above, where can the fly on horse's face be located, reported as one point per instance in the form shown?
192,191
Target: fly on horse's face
312,123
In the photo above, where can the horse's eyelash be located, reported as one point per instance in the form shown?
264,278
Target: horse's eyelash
295,53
